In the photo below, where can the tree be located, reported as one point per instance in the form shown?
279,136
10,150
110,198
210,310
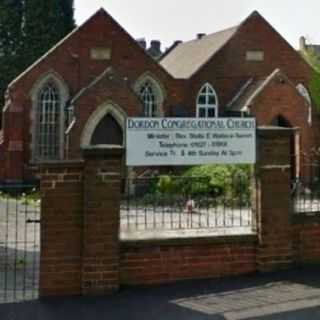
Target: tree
28,29
46,22
11,17
313,59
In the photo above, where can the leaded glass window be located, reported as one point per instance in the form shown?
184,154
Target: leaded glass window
149,100
48,123
207,102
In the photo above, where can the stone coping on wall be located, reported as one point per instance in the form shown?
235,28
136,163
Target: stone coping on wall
102,151
61,163
188,238
305,218
277,128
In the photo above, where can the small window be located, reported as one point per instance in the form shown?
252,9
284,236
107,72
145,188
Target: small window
207,102
255,55
100,53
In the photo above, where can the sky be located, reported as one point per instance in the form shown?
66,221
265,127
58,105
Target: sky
170,20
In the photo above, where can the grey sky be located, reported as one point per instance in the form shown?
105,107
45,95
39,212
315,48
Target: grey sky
169,20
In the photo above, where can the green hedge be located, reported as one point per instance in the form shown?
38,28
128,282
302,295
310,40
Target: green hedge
224,183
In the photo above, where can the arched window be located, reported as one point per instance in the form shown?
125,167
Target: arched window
48,123
207,102
304,92
149,100
151,93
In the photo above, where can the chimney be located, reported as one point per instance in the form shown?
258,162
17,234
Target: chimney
302,43
142,43
200,35
156,45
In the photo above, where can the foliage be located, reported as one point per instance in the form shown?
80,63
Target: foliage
46,22
11,62
165,184
226,181
312,58
221,183
314,89
31,197
314,85
26,197
28,29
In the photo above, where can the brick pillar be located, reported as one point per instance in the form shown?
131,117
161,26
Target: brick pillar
273,198
61,229
14,161
100,261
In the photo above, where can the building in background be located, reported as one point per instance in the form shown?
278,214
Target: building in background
305,47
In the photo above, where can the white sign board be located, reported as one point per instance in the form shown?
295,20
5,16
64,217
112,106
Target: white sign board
190,141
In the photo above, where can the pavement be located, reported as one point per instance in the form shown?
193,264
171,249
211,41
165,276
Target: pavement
293,295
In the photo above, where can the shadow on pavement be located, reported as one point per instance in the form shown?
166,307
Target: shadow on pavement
290,295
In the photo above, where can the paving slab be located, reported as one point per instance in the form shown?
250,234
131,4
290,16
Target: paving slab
293,295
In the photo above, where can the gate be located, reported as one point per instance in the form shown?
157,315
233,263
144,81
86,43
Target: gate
19,242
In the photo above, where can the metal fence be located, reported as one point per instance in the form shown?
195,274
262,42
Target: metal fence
306,195
19,242
169,203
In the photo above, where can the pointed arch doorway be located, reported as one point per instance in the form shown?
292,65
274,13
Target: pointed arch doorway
107,132
106,127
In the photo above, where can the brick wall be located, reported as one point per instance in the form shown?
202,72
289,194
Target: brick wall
80,225
157,262
100,255
80,248
280,98
61,229
274,203
306,239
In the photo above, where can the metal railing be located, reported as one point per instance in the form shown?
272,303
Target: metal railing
169,203
305,194
19,242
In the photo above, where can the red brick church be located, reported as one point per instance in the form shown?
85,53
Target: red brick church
81,91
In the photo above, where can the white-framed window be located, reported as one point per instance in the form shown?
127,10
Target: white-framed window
48,122
207,102
149,100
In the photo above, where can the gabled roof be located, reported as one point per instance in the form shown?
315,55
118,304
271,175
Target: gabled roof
252,89
112,75
188,57
239,102
101,11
